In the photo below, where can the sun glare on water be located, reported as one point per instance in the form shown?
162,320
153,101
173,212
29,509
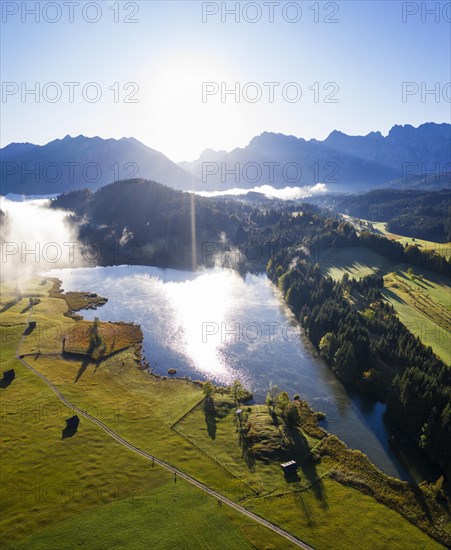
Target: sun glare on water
203,315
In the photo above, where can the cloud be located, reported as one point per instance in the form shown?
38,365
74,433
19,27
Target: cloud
33,238
286,193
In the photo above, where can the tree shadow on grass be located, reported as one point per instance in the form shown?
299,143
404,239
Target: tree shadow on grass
89,357
11,303
419,497
390,294
98,364
30,327
308,467
81,370
300,502
425,282
246,451
210,416
274,418
101,356
86,360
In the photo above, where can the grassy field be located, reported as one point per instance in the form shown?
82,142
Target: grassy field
176,516
355,261
424,306
143,409
440,248
443,249
422,303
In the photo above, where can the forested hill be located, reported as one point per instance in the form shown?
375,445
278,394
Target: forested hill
144,222
418,214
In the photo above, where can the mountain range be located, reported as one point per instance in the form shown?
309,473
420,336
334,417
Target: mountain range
73,163
406,157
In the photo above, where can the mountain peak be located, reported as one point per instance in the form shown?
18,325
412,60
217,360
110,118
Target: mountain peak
212,154
266,140
336,135
401,129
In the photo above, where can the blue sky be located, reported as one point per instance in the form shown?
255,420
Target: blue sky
170,52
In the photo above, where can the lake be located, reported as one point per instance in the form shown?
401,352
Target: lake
215,324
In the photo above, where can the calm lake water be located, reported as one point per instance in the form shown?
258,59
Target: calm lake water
218,325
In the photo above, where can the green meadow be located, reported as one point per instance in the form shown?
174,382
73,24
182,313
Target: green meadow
440,248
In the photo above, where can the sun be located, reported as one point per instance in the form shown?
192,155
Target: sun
175,104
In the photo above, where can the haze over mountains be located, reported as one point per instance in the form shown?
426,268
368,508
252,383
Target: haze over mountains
406,157
77,162
342,162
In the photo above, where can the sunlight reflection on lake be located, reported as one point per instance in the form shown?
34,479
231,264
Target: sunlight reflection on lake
216,324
